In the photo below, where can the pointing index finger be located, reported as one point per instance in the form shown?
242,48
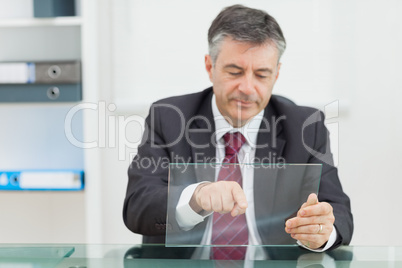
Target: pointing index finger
240,200
239,197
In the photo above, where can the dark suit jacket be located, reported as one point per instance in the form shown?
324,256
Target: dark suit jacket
173,119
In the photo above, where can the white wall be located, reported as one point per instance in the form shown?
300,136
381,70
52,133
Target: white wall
370,135
159,47
337,50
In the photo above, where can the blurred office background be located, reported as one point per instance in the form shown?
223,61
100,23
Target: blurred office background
343,57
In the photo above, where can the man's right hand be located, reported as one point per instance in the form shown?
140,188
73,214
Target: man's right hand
221,196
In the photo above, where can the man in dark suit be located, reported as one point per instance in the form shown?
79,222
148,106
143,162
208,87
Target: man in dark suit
245,46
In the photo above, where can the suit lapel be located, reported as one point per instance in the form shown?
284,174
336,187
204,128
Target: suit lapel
201,133
270,149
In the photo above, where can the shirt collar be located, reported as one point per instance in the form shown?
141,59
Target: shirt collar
249,130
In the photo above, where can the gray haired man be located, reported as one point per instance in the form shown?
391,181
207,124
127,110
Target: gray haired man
245,47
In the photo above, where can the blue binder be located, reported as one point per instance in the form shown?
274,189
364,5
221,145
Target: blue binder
53,8
42,180
55,81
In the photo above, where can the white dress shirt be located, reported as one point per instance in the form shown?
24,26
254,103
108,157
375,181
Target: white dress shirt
187,218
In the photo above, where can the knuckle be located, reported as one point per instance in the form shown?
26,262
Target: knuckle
314,220
198,199
220,183
216,207
295,222
227,207
234,184
205,204
242,210
327,208
198,192
203,190
217,185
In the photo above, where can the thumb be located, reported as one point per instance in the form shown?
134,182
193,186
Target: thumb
312,200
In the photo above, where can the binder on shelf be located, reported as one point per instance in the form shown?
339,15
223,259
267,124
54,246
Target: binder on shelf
42,180
40,81
65,72
53,8
17,73
40,93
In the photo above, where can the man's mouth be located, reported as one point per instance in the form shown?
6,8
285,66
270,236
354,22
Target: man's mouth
244,104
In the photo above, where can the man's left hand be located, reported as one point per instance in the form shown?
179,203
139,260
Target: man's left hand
313,224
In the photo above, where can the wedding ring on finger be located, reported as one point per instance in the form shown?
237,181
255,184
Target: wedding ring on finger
320,228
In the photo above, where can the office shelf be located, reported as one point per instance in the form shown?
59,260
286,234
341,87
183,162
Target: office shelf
44,144
40,22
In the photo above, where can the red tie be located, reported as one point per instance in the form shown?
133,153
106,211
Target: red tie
228,230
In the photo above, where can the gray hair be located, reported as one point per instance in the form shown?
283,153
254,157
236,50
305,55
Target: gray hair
245,25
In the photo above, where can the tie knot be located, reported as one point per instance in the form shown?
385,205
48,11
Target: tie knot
233,142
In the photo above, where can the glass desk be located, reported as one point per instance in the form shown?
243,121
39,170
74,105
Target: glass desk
81,256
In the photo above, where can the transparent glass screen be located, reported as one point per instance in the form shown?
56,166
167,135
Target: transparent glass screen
274,194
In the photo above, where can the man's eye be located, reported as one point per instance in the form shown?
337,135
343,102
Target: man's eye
235,74
261,76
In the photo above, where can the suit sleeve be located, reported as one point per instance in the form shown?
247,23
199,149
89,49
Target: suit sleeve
330,190
145,205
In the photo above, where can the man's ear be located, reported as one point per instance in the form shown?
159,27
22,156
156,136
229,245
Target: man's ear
277,72
208,66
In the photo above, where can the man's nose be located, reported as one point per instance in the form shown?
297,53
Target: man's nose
247,84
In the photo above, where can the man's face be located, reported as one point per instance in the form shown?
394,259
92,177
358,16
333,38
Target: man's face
243,77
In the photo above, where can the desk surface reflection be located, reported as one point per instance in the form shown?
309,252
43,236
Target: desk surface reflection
81,255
